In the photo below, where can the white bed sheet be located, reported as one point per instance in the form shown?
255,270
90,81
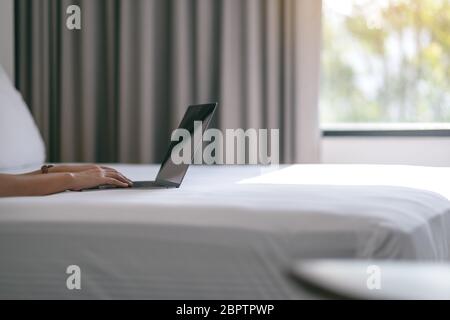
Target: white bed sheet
228,232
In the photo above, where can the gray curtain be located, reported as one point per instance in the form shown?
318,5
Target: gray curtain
114,91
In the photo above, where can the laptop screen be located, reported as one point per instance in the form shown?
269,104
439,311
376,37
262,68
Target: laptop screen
174,173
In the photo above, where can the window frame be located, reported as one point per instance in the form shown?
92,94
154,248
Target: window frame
349,130
385,133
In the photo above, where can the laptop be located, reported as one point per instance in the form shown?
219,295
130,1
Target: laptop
171,175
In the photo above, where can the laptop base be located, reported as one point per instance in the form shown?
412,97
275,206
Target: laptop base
149,185
136,185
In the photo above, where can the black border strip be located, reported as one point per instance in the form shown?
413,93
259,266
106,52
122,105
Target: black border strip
387,133
17,47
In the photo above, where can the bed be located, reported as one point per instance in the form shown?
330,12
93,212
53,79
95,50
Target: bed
230,232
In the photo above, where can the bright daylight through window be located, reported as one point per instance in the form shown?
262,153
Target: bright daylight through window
385,63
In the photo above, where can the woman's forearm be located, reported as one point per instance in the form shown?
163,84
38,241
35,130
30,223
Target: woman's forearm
51,169
32,173
68,178
34,185
65,168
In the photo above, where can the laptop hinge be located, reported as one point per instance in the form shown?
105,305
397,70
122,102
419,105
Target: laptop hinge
168,184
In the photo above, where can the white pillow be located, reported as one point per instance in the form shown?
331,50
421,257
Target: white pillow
21,144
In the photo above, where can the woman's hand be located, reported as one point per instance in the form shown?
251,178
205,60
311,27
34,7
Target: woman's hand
98,176
90,167
78,178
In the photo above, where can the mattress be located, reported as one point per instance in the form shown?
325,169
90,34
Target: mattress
229,232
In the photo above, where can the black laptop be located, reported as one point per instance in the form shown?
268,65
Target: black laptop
171,175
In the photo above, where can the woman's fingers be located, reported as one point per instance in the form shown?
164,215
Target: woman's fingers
107,168
97,176
126,179
118,176
110,172
91,168
115,182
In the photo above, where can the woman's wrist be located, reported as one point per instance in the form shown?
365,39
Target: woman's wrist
45,168
69,180
58,169
71,168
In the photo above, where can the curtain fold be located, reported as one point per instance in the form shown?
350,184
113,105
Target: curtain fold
114,90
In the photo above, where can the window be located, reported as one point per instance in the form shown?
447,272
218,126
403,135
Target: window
386,63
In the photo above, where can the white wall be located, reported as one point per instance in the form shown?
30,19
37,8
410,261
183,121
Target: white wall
7,36
427,151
